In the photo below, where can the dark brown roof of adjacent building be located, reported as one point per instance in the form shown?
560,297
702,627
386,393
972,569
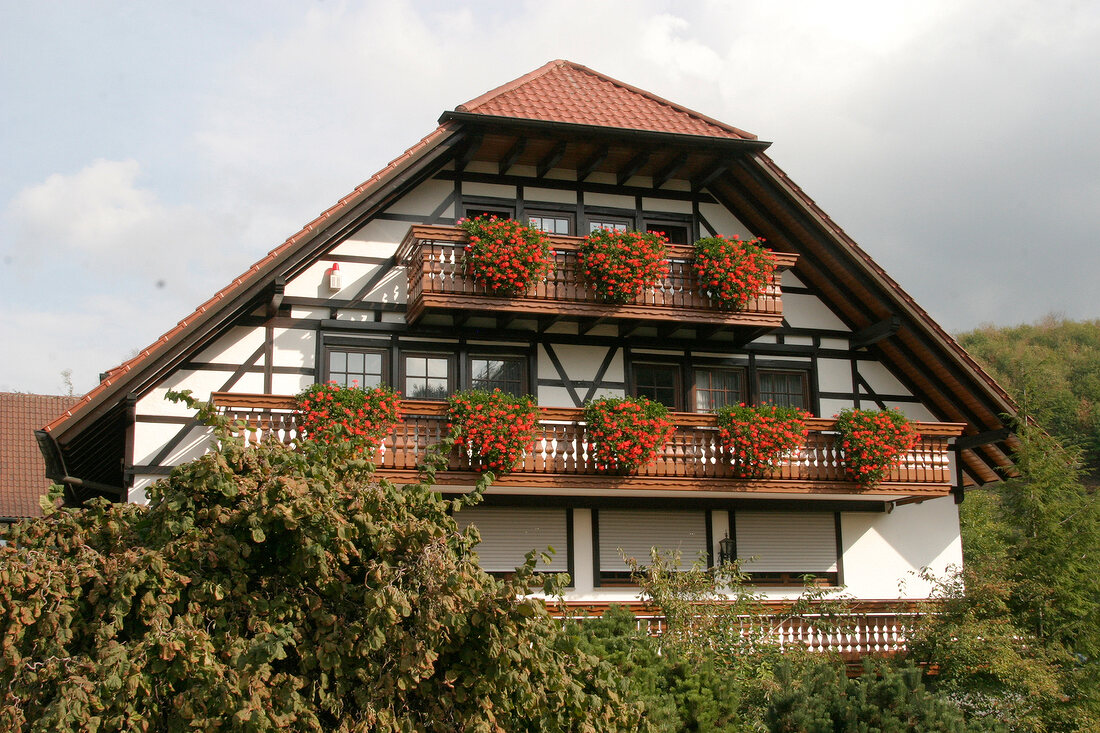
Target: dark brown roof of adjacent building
22,470
562,91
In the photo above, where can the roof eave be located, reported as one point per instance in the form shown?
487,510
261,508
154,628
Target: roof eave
575,129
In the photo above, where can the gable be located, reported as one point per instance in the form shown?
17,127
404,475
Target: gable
269,330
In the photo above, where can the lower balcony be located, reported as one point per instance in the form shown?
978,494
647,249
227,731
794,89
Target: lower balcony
694,460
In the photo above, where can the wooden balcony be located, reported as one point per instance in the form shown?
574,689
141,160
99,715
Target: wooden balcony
432,256
864,628
694,459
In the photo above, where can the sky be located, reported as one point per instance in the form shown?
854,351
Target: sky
151,151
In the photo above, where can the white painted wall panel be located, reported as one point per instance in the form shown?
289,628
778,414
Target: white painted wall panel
290,384
488,189
555,397
790,280
834,375
376,238
234,347
582,551
634,531
806,311
295,347
829,408
201,385
785,542
579,362
424,199
609,199
721,219
509,533
883,550
880,379
912,410
532,196
656,207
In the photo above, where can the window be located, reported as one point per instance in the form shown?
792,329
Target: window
675,233
551,223
364,368
783,388
768,554
506,373
630,533
716,387
658,382
604,222
509,533
427,376
472,212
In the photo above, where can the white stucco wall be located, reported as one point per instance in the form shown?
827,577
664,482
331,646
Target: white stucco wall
883,550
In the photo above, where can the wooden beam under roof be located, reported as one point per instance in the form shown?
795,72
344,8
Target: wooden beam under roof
632,167
512,155
703,180
551,159
670,169
585,169
876,332
468,151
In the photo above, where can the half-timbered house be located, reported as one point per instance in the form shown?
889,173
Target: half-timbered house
569,149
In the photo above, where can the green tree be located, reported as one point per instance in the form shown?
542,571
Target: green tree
1052,366
266,589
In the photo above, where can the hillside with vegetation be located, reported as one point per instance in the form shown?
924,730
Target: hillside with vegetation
1052,369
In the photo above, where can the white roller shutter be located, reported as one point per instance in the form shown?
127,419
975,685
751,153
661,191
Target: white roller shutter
635,531
509,533
787,542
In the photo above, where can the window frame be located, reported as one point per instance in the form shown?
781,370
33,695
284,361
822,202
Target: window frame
524,363
686,224
569,217
451,372
326,359
693,392
804,374
678,381
626,221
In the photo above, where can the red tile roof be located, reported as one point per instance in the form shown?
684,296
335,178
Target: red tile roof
22,470
562,91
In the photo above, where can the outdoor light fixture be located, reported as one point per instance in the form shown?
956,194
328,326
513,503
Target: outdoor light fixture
334,277
727,550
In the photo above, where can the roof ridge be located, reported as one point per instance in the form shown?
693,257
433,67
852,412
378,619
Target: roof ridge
474,104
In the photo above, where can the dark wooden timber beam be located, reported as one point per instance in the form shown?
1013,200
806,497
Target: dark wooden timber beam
505,320
585,169
512,155
973,441
704,334
459,319
667,329
546,322
876,332
587,324
468,151
632,167
670,169
550,160
629,328
276,296
709,175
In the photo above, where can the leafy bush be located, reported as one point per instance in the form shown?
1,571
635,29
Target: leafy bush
268,589
677,693
823,700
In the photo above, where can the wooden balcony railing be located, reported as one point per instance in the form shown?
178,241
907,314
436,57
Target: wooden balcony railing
869,628
432,256
694,460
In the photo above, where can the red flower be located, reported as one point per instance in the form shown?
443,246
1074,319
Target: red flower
504,256
731,271
624,432
496,428
363,417
874,443
620,265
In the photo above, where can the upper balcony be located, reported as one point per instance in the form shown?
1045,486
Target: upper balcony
438,282
693,461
